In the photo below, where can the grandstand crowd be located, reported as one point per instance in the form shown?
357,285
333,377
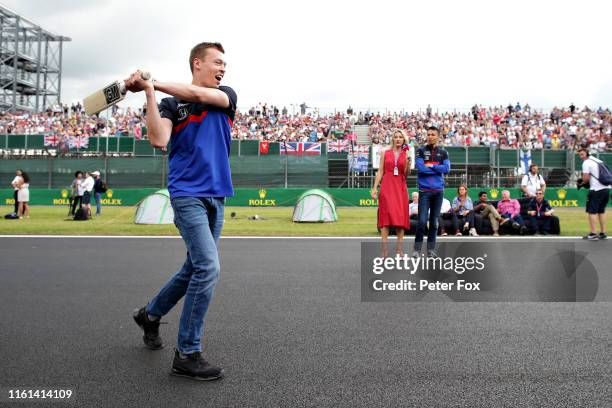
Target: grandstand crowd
513,126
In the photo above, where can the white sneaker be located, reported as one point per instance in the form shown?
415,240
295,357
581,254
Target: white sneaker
473,232
466,226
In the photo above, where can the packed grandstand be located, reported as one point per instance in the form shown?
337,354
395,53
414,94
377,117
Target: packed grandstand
513,126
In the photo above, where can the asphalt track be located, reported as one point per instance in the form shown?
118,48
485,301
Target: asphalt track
288,326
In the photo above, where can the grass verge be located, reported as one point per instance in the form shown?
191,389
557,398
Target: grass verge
273,222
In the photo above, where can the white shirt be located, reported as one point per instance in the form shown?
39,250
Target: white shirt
87,184
590,166
79,187
532,182
16,182
413,208
446,206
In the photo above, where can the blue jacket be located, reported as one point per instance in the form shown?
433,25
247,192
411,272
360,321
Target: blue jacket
431,178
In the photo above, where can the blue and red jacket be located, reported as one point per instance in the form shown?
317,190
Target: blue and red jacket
431,178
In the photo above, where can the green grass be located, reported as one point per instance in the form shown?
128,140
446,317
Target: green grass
273,222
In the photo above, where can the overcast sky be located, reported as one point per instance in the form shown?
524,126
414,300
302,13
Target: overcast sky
378,54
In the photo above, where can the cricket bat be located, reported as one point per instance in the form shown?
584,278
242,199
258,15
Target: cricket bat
108,96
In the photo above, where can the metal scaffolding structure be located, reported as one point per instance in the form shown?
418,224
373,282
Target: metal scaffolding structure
30,64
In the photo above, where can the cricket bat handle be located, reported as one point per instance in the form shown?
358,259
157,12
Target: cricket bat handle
146,75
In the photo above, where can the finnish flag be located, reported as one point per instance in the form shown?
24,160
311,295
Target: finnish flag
525,161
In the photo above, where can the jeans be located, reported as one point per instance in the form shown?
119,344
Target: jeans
430,202
517,218
98,198
199,221
462,219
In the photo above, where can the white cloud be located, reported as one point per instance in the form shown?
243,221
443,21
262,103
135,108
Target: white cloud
332,54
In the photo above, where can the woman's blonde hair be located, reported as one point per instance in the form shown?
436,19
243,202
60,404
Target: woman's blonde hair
466,191
402,132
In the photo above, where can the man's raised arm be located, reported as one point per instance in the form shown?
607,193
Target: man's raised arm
159,129
194,93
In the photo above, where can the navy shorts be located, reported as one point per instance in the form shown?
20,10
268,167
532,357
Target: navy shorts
597,201
86,197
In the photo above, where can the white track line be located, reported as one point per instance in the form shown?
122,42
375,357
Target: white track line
408,239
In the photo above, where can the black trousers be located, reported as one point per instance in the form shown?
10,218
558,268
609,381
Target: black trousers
540,224
454,222
15,194
75,200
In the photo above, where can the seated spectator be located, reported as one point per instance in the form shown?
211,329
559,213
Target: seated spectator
413,207
540,213
511,209
447,213
532,182
486,209
464,209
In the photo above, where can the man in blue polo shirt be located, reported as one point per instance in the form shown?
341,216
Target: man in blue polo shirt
197,122
432,164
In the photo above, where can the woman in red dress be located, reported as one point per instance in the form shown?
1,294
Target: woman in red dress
393,197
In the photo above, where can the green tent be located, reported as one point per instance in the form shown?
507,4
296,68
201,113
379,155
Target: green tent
155,209
315,206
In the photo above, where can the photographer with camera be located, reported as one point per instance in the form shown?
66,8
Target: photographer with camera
595,177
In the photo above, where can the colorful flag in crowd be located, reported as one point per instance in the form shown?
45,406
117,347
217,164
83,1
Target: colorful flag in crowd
312,149
338,146
51,140
76,142
300,148
525,161
359,157
264,147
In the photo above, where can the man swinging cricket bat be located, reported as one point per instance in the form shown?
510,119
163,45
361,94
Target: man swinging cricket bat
108,96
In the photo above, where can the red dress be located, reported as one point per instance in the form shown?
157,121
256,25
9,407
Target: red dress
393,196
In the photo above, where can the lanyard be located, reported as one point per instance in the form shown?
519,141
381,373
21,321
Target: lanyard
539,207
396,158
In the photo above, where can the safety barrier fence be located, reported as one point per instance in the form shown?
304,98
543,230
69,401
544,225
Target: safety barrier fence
284,197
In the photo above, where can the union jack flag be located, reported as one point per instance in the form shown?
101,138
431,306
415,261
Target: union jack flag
338,146
361,150
51,140
300,148
75,142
